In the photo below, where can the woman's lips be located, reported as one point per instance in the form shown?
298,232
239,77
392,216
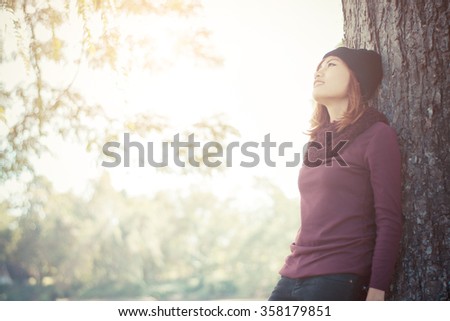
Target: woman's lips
317,83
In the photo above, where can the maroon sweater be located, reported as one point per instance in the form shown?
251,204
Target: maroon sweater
351,216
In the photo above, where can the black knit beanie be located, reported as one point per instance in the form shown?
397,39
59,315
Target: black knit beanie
366,66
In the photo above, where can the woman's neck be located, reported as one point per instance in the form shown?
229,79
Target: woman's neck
337,108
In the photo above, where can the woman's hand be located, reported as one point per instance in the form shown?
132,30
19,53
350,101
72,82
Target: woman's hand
375,295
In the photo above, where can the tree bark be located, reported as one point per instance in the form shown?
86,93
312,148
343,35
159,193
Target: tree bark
413,40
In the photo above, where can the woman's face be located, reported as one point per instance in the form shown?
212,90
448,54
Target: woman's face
331,80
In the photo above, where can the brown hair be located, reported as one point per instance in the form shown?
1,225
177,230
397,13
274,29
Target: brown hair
355,109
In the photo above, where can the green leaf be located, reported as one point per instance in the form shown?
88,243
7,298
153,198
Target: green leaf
2,114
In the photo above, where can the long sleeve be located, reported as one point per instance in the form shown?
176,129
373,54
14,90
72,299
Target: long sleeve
384,163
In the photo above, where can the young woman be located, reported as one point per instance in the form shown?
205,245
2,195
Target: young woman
350,188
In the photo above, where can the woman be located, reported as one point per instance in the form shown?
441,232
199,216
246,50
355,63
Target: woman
350,187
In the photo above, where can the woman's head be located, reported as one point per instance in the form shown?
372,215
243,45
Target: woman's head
365,66
351,74
331,80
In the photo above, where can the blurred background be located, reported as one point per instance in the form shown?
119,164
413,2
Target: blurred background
77,74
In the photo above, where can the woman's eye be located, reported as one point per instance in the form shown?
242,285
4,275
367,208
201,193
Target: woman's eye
331,64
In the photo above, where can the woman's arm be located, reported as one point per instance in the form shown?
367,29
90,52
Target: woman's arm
384,162
375,295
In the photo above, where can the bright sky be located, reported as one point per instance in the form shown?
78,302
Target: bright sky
270,50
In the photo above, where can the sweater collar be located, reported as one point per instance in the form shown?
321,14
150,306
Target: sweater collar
369,117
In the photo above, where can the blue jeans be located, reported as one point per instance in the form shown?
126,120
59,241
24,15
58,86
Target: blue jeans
329,287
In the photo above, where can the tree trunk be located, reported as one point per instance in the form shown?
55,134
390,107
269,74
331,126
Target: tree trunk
413,40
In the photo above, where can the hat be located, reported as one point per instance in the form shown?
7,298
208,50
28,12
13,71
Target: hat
365,65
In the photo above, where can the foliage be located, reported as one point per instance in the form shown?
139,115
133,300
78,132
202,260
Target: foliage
177,244
173,245
45,45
